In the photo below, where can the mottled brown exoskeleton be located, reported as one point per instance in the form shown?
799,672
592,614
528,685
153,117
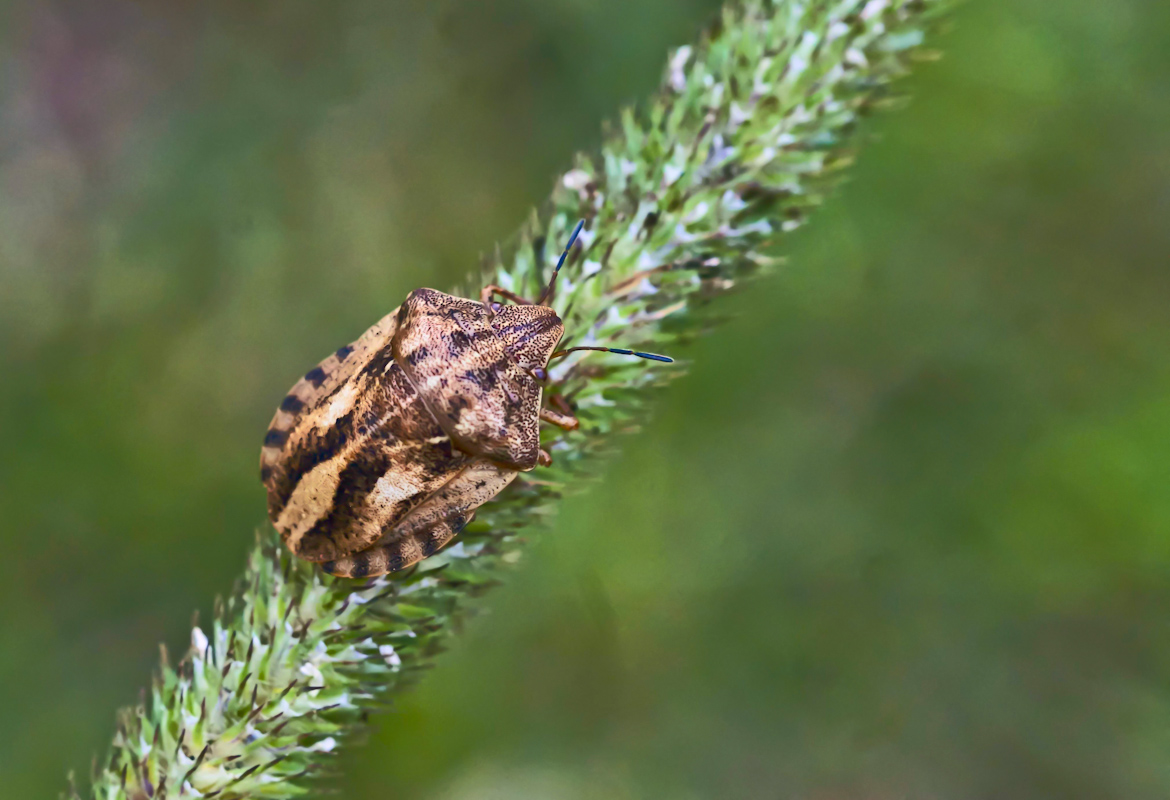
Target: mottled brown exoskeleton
381,454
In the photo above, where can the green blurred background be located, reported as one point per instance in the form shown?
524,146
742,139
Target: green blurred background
903,531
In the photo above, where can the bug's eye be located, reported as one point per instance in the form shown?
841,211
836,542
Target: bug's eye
540,374
496,307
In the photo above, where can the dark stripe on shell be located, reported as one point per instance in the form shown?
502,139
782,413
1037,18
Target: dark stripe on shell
354,485
417,355
312,450
377,365
486,378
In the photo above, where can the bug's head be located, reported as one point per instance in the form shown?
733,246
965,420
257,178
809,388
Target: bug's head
530,333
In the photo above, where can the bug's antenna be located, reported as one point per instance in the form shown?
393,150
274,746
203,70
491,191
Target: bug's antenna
560,263
618,350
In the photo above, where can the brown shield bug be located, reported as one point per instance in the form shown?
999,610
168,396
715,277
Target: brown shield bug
381,454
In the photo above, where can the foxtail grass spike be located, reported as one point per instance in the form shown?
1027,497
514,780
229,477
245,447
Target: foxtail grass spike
689,197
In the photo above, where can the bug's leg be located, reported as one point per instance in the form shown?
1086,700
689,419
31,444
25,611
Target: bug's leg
544,459
400,553
485,296
565,421
562,404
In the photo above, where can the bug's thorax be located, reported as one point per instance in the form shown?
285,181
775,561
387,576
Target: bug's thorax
467,363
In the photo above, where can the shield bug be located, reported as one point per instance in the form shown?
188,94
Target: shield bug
381,454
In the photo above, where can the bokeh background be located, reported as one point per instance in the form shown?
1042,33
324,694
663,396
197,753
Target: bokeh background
903,531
